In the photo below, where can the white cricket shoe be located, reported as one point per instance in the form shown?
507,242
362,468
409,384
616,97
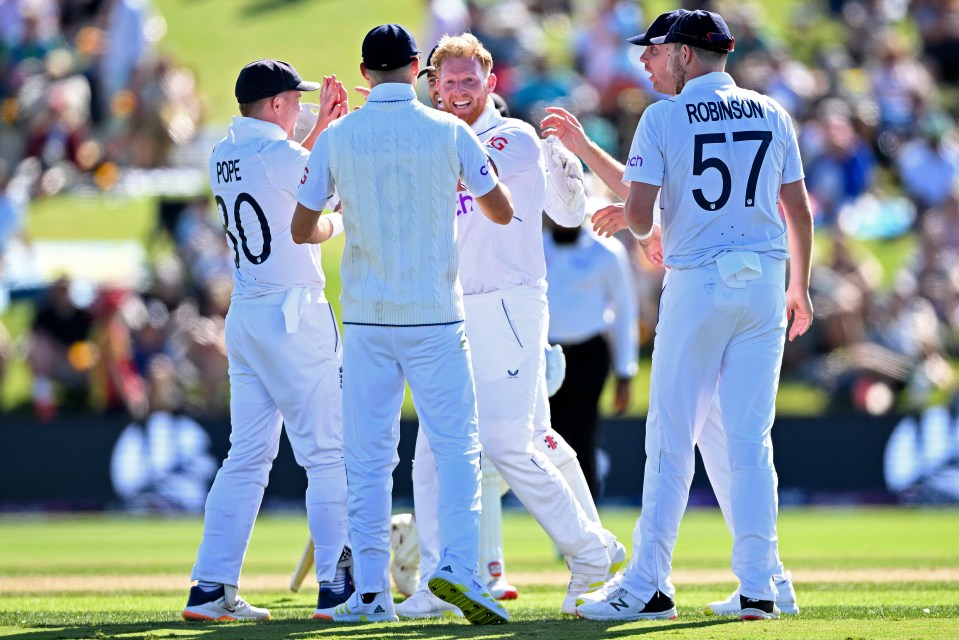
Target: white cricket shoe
221,605
621,605
405,544
355,610
617,559
580,584
464,591
423,604
786,600
502,590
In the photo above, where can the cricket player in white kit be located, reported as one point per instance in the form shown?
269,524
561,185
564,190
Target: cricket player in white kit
281,337
396,165
503,274
725,158
711,439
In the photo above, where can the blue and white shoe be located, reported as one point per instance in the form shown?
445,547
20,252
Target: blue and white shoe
380,609
221,605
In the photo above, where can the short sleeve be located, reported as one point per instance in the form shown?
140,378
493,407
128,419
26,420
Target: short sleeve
316,181
475,171
792,163
513,150
285,161
646,162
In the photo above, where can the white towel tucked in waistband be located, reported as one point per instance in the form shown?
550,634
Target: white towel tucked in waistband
293,304
736,268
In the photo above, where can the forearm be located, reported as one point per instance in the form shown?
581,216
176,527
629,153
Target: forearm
309,227
606,167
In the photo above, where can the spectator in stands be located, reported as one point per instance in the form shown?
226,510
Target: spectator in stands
59,350
929,164
839,164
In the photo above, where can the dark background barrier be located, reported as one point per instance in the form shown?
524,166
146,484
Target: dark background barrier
66,464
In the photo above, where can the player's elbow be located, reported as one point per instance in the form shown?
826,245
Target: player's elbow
497,204
302,224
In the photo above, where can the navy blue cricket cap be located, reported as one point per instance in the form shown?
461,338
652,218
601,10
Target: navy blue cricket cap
388,47
703,29
658,29
267,78
429,63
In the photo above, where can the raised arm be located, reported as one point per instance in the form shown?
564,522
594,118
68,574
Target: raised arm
564,125
799,227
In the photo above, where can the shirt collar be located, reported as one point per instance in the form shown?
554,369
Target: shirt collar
489,119
244,129
715,77
391,92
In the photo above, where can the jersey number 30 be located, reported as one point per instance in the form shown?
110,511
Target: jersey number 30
700,164
245,198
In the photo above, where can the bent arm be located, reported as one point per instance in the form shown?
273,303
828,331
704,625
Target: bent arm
309,227
497,204
570,132
799,228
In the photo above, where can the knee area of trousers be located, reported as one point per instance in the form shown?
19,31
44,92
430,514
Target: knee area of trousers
677,463
327,471
556,449
743,456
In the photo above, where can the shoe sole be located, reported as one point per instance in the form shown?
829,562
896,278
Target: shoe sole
431,615
789,611
757,614
199,617
507,595
669,614
355,618
473,611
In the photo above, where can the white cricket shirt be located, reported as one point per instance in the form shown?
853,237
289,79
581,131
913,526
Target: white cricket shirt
720,154
494,257
254,175
591,292
396,165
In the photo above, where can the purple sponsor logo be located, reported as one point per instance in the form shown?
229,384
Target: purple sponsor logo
464,204
484,170
635,161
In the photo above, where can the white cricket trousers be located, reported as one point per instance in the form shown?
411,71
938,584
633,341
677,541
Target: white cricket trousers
278,378
507,334
435,359
715,454
709,332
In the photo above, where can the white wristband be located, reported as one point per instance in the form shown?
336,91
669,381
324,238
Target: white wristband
336,219
645,236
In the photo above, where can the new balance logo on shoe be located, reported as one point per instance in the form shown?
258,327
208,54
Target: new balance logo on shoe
619,604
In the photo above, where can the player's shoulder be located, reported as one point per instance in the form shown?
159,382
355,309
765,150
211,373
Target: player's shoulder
661,109
770,105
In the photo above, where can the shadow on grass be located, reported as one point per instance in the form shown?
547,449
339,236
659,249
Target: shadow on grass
296,629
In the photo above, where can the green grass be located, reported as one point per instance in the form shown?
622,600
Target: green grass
105,549
217,37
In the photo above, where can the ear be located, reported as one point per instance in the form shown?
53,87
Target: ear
365,75
491,81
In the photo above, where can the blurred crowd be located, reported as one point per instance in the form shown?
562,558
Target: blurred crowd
873,88
872,85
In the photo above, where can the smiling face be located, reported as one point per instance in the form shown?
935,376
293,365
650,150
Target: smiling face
433,89
654,59
464,87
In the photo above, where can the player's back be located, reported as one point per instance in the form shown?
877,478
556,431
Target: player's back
254,173
396,168
727,151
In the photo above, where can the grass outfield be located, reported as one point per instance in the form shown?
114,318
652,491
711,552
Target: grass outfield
861,574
